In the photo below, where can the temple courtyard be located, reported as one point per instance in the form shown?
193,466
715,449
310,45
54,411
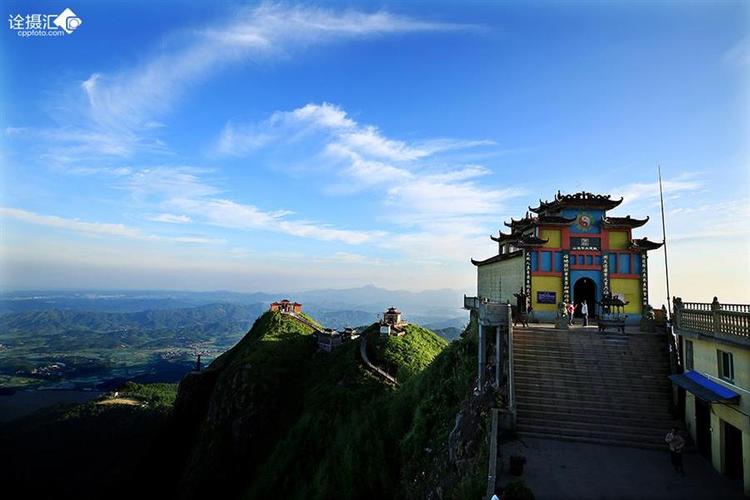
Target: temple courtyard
573,470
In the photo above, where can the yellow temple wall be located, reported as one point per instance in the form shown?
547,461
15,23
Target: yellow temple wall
631,289
618,240
500,280
553,235
545,284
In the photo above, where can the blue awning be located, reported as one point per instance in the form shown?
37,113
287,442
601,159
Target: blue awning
704,388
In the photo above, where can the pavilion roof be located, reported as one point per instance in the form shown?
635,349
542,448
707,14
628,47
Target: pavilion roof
497,258
581,199
645,244
544,219
519,239
626,221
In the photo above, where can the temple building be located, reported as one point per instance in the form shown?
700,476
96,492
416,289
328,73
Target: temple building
569,249
286,306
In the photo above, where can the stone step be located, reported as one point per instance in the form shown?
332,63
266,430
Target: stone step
572,373
633,381
591,385
601,431
645,421
527,392
561,436
646,356
611,384
599,408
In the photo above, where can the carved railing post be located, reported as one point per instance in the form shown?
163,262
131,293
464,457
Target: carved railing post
677,311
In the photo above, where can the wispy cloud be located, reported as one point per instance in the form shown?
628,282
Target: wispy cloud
230,214
267,31
419,189
118,113
171,218
95,228
739,53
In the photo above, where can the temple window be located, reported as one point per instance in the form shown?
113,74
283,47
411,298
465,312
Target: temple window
726,365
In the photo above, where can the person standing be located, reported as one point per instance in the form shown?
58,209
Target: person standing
585,312
676,445
571,310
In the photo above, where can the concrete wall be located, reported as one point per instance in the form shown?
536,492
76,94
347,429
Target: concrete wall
500,280
705,362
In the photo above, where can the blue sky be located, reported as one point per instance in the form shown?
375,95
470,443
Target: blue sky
250,146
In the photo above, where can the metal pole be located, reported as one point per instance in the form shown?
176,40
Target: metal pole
664,236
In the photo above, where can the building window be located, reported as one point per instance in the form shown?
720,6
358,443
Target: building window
688,355
726,365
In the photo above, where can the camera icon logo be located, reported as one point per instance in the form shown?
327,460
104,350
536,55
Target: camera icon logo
68,21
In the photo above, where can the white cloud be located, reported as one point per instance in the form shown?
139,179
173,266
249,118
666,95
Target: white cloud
170,182
171,218
230,214
95,228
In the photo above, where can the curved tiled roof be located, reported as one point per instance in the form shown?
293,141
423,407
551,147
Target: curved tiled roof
581,199
645,244
626,221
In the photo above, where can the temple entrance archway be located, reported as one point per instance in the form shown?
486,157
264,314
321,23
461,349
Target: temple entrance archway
585,290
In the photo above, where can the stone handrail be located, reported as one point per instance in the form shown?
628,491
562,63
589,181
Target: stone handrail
727,321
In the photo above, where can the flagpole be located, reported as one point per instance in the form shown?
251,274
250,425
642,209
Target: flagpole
664,236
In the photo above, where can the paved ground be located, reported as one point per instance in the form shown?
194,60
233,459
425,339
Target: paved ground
566,470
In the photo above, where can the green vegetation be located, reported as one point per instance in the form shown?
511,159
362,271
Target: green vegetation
407,355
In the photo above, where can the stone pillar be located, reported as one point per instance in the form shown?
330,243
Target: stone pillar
481,358
498,356
717,457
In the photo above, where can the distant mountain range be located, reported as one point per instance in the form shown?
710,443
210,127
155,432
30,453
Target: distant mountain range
337,307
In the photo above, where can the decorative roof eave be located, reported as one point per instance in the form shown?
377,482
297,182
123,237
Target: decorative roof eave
581,199
504,237
627,221
520,223
645,244
555,220
531,241
497,258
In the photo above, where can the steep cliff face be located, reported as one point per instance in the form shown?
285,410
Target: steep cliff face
239,407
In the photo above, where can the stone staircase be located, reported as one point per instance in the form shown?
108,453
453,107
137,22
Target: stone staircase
582,385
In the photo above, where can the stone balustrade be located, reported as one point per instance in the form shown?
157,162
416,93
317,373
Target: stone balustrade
729,322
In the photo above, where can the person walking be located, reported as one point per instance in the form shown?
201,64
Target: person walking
585,312
571,310
676,445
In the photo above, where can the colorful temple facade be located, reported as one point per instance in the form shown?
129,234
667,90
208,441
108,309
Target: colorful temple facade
569,250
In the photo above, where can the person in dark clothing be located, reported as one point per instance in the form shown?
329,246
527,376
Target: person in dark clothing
676,446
